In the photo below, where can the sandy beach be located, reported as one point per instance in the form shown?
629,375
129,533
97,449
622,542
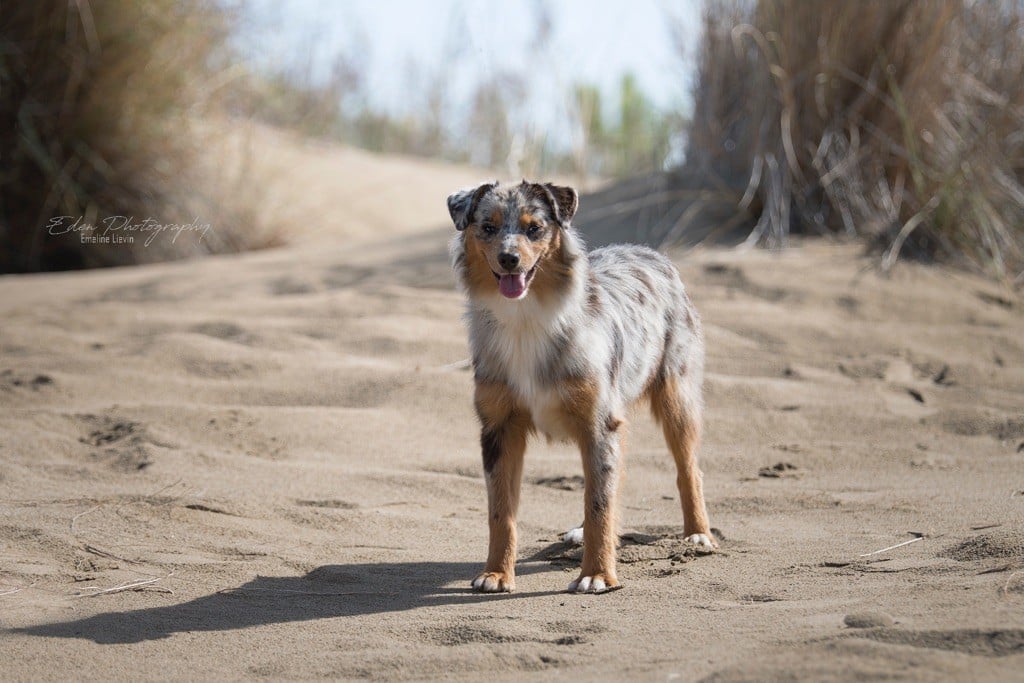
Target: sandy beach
267,466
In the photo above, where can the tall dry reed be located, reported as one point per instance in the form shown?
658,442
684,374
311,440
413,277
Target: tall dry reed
98,109
898,120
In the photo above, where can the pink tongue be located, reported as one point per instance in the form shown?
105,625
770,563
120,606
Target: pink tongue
512,286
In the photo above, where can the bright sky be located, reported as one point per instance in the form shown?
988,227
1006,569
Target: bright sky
402,43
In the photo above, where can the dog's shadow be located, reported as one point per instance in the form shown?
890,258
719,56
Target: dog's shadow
327,592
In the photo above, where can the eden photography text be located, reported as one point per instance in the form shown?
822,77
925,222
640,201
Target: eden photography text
123,229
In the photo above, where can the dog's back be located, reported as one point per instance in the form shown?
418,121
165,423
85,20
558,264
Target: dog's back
654,327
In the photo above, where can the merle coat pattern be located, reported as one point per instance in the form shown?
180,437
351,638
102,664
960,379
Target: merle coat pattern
563,343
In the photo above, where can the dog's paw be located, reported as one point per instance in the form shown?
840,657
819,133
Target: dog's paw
573,536
597,583
701,541
494,582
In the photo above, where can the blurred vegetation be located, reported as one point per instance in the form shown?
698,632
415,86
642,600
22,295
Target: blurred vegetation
626,137
98,109
639,141
896,120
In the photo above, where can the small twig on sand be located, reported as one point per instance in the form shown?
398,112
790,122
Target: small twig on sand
18,589
893,547
1010,579
126,587
164,488
74,519
103,553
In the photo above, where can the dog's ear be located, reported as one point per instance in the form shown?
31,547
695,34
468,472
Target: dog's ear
563,201
566,200
462,204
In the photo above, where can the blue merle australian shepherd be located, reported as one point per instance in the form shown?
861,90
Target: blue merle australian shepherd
563,343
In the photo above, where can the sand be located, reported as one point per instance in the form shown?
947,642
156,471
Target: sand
266,466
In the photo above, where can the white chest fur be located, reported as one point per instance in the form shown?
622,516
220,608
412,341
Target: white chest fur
525,346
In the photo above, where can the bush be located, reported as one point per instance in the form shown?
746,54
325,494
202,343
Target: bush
899,120
98,103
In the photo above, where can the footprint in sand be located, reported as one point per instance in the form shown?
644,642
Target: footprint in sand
977,642
225,331
11,380
123,445
980,422
570,483
734,278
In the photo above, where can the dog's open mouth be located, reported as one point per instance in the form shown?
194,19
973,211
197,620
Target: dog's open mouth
514,285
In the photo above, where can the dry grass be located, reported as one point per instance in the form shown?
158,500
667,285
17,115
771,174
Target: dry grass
98,109
898,120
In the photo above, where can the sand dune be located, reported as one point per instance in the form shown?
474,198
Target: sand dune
277,453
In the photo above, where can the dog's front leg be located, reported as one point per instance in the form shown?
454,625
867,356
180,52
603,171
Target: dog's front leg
601,465
503,443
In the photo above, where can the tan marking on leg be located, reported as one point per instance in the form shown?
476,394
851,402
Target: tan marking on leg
504,431
600,520
681,426
601,454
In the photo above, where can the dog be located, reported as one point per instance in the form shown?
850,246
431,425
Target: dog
563,343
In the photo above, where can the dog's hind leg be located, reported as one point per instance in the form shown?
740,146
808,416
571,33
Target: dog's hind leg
677,407
503,444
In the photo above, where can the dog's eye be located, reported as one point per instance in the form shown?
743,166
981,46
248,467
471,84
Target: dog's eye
489,229
534,231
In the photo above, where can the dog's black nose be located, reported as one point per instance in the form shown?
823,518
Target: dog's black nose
508,261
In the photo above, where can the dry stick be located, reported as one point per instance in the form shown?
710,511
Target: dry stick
125,587
83,514
164,488
753,183
19,589
894,250
1009,580
892,547
103,553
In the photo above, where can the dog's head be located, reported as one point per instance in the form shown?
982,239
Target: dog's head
509,231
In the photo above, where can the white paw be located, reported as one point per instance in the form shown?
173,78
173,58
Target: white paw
592,584
573,536
702,541
494,582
